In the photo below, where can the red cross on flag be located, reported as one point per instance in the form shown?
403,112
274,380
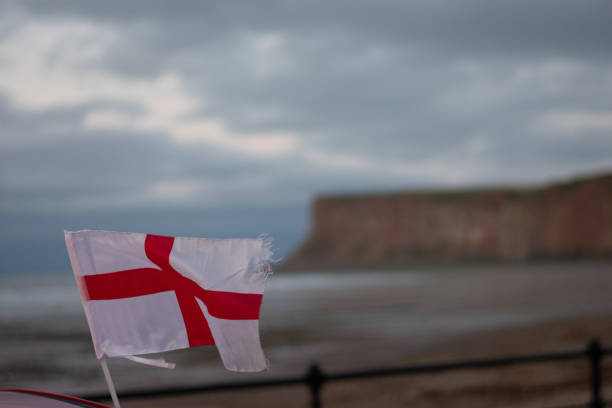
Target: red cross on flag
149,293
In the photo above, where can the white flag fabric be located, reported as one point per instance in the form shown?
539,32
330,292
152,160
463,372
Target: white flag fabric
147,293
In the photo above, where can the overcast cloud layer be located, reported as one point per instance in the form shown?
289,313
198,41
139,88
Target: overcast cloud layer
226,118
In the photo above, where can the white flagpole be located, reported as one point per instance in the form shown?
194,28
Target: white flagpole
109,382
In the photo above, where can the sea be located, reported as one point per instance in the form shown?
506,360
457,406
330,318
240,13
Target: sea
342,320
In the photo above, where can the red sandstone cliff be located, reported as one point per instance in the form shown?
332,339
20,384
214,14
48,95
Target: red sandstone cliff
571,219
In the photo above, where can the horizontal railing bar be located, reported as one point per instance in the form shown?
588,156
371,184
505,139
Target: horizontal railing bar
458,365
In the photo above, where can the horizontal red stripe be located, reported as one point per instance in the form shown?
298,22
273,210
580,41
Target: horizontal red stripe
148,281
233,306
126,284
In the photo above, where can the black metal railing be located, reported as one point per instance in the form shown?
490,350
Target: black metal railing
315,378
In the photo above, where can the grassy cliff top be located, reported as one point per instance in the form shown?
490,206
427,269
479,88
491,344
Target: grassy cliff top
459,193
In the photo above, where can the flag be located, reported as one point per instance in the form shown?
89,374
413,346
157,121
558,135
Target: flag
147,293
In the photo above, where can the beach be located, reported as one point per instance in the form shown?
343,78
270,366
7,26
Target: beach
550,384
346,321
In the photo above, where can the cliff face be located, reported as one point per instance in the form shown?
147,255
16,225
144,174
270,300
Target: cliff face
563,220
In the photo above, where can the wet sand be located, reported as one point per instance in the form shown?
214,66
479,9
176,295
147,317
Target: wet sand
583,303
554,384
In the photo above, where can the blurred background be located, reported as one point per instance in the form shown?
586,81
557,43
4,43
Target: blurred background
435,174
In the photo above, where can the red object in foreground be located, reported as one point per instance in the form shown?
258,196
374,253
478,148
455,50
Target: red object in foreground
19,398
147,281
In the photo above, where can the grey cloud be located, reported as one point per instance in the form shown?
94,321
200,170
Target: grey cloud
555,27
462,83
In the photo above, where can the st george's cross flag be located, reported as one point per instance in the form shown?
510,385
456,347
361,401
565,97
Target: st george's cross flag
149,293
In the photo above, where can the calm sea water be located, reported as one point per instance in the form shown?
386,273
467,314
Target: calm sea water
341,319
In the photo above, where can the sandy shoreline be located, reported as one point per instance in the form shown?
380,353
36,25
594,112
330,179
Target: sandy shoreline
532,385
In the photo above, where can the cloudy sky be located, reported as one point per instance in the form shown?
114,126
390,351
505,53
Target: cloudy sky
226,118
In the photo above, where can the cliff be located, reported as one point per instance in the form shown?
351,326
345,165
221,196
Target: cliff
572,219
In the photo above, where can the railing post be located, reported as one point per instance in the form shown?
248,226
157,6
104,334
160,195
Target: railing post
595,354
315,379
